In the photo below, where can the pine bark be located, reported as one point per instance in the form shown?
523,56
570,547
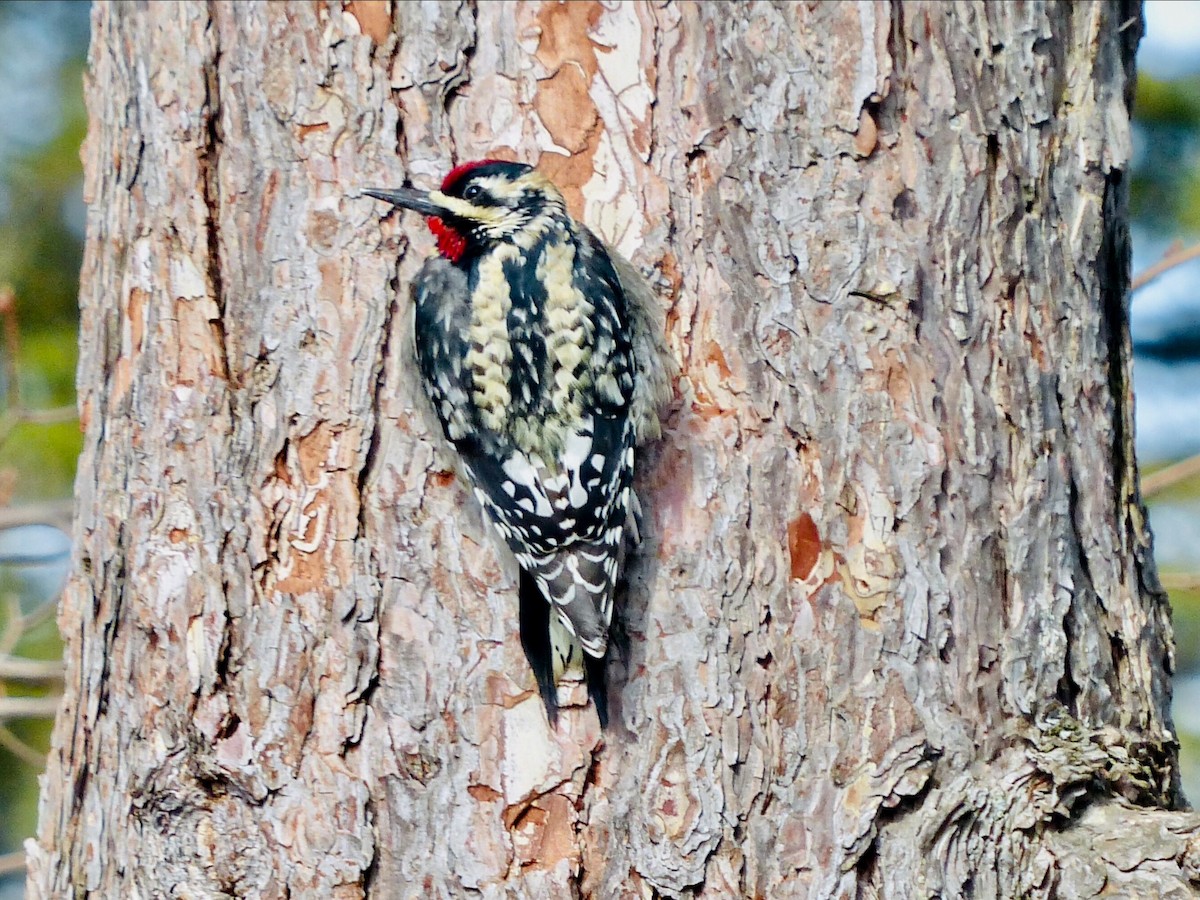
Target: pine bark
894,629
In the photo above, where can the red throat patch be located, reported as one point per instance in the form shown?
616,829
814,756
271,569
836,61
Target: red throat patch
450,243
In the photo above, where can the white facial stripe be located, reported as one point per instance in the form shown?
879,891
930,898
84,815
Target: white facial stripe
487,215
500,187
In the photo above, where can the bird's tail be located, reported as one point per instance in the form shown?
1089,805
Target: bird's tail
596,672
535,639
553,649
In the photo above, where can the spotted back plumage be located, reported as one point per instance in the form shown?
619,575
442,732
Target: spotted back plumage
525,344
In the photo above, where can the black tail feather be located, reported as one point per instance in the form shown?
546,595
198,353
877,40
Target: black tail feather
535,639
597,684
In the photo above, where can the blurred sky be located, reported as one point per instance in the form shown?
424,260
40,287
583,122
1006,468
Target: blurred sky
35,43
1171,47
1167,312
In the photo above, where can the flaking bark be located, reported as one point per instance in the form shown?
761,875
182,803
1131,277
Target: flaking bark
895,628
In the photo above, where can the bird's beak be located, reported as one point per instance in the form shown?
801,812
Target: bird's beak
417,201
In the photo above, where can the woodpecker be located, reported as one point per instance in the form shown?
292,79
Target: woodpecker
542,354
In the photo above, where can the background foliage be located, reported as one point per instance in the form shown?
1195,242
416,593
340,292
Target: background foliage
42,48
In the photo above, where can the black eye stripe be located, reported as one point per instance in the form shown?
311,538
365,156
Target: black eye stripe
479,196
510,171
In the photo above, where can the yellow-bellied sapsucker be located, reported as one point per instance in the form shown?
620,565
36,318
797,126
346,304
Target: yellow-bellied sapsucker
542,355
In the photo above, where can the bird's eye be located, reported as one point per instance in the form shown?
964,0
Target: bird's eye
472,191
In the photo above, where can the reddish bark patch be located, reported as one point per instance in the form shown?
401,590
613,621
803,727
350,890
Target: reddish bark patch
374,17
483,793
564,35
306,130
542,832
669,268
562,101
266,205
137,319
312,450
804,545
714,355
441,479
868,133
566,110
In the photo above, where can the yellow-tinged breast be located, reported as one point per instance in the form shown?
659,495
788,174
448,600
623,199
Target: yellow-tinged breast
567,312
491,352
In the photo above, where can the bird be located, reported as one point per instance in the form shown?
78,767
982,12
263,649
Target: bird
542,352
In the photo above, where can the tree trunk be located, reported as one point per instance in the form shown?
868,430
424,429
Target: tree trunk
894,629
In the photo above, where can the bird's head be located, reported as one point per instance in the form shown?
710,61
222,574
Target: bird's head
481,203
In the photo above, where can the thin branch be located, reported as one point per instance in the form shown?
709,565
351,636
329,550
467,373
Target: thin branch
28,707
18,623
32,757
57,513
11,863
17,668
52,416
15,412
1181,581
14,624
1170,476
1176,256
12,346
38,615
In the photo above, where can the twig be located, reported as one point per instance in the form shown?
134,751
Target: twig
33,758
57,513
1170,476
1180,581
1176,256
38,615
15,412
12,346
28,707
52,416
19,623
14,624
19,669
11,863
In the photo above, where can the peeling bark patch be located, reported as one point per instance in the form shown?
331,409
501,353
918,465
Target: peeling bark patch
868,133
544,833
374,17
265,207
442,479
315,497
484,793
563,102
304,131
564,35
672,809
804,545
